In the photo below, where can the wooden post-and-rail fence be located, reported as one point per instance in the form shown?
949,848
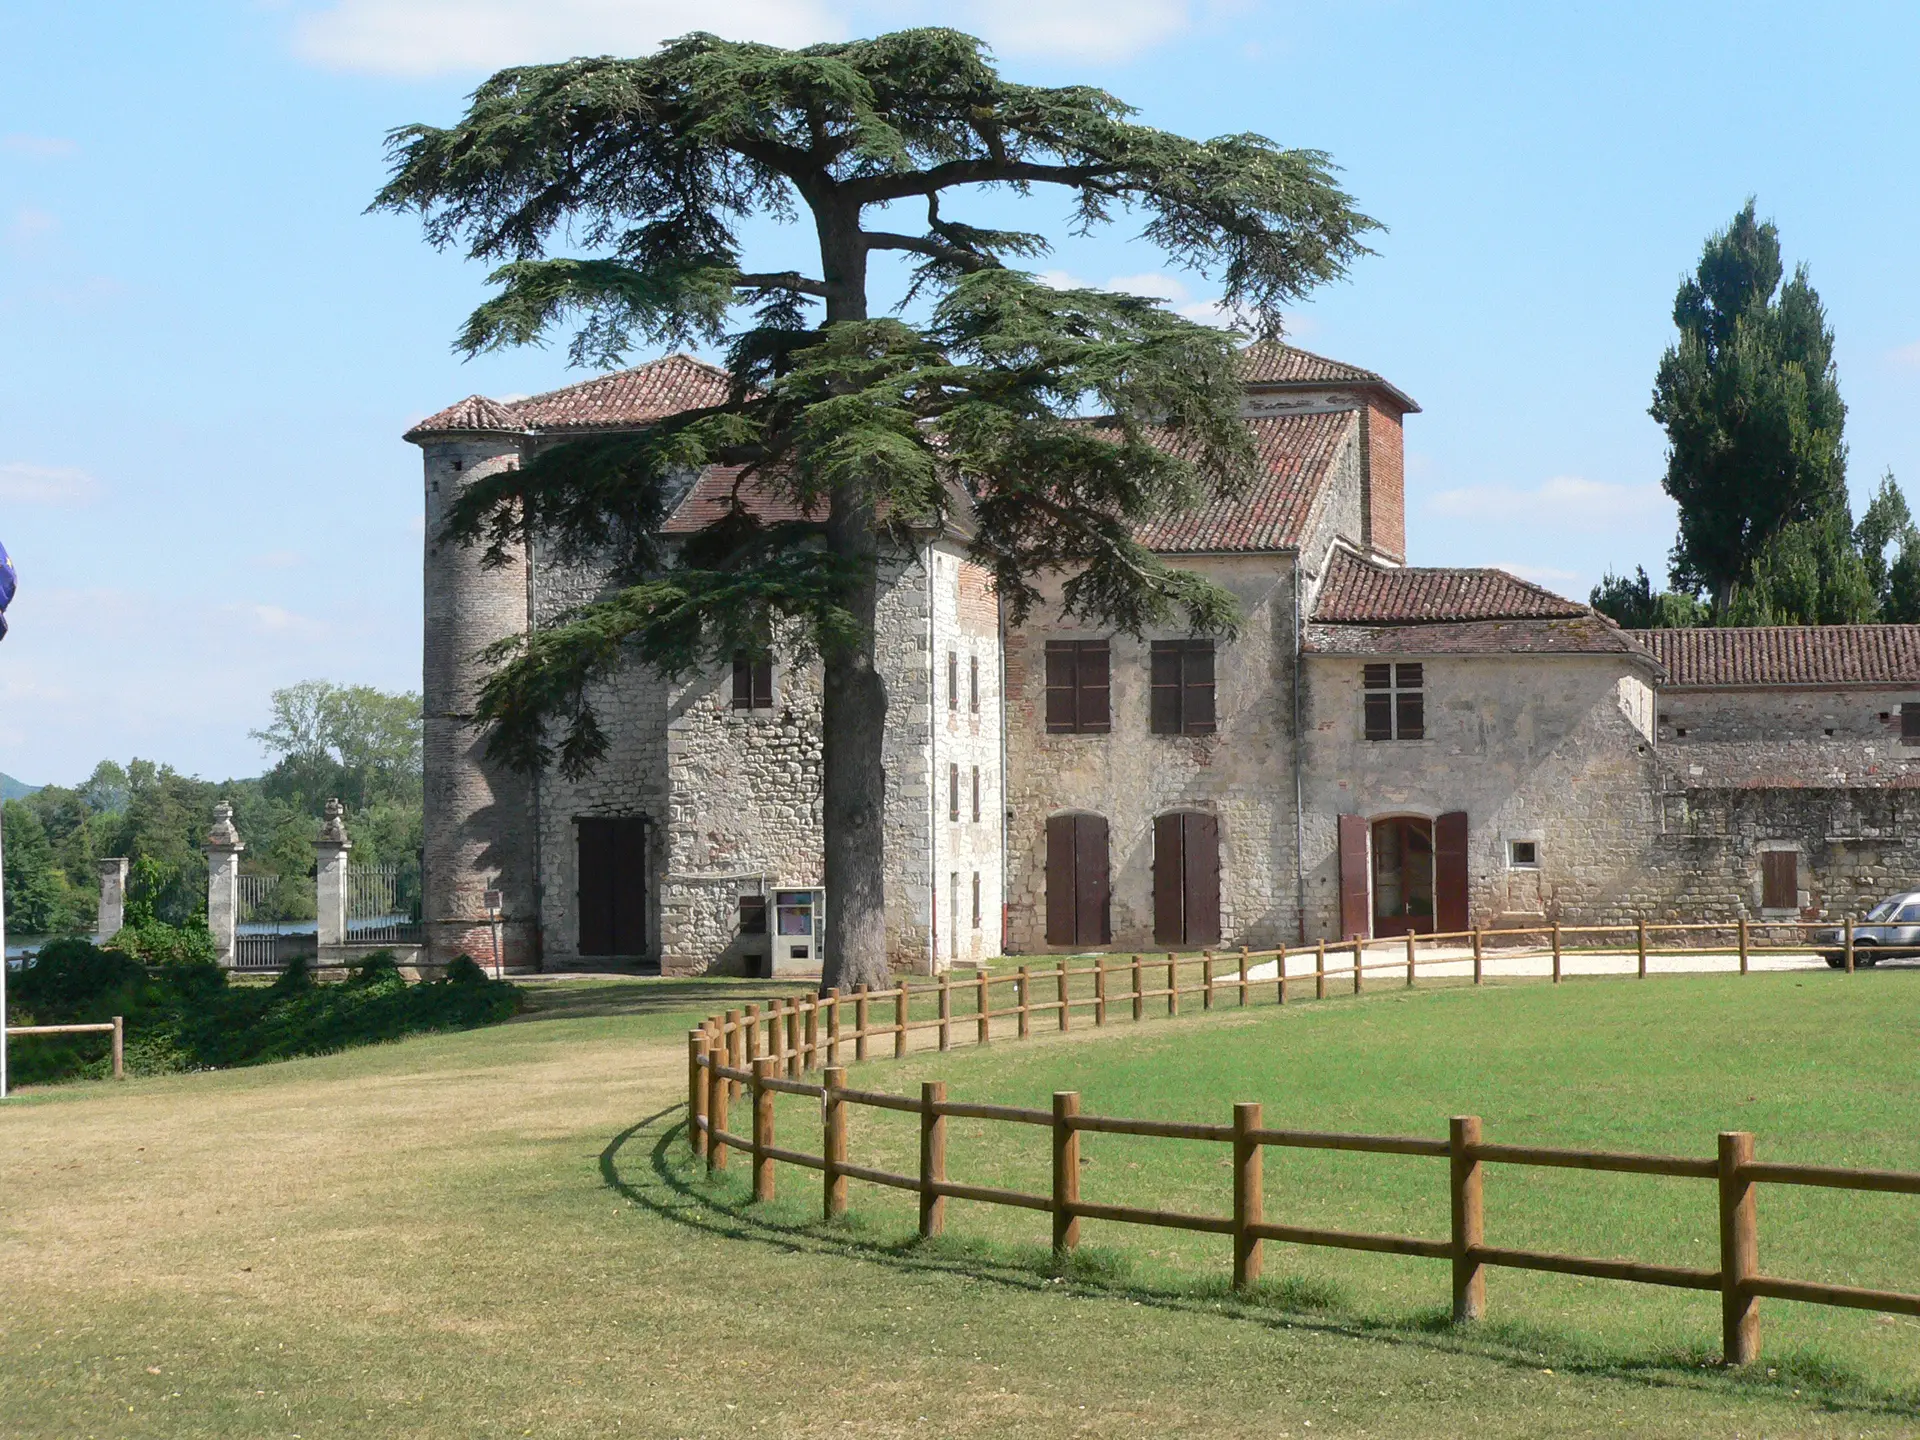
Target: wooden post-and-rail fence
739,1054
115,1027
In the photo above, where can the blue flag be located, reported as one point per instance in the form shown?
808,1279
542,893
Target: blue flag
9,582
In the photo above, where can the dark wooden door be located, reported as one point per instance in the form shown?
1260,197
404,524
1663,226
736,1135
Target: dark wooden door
1450,872
1779,879
1356,906
613,885
1077,884
1186,880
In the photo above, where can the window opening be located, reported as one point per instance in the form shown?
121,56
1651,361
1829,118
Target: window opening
976,794
752,683
973,683
953,793
753,914
1396,707
1402,876
1183,696
1077,687
953,681
1523,854
976,899
1910,724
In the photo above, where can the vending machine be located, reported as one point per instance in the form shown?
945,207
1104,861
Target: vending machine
799,929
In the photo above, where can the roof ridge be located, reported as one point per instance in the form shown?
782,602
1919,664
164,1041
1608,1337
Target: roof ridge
657,362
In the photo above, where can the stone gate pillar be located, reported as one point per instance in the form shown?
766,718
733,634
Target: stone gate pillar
223,849
330,877
113,897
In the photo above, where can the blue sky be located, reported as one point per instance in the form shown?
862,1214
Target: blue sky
208,353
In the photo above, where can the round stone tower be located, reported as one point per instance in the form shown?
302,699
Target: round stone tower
480,818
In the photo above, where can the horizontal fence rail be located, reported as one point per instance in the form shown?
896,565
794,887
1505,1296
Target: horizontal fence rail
753,1055
115,1027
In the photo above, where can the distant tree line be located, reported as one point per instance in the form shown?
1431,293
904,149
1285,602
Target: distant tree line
355,743
1757,462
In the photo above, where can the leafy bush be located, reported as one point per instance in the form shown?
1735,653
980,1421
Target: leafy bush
465,971
182,1014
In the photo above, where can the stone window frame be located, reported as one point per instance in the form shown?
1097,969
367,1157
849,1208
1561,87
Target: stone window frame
1510,846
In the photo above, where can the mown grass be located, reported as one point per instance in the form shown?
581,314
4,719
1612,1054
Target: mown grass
499,1233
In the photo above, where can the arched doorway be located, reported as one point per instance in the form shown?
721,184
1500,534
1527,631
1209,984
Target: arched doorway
1403,875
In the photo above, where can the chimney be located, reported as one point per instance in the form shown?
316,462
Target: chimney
1383,478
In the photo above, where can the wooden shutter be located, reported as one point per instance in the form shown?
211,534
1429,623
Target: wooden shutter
1091,890
976,794
1779,880
1196,688
1200,878
973,683
1169,880
613,886
1356,918
1062,686
953,680
953,793
1094,698
1061,888
742,700
1164,714
1450,872
763,684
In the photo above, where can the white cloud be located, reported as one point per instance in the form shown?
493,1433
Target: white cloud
40,147
1564,499
23,484
434,37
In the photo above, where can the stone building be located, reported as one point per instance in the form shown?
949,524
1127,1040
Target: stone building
1380,748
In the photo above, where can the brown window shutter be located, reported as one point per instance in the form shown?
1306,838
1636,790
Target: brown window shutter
973,683
1355,916
1379,716
1164,714
742,700
1910,722
953,680
1200,881
1450,872
953,792
763,684
1779,879
976,794
1169,868
1196,698
1413,716
1092,894
1062,685
1092,705
1062,886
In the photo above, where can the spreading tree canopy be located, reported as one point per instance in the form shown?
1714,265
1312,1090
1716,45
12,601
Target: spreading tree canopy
1752,409
965,402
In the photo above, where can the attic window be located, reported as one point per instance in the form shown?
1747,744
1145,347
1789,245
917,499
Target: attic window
1396,702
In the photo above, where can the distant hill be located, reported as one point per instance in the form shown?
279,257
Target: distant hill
12,789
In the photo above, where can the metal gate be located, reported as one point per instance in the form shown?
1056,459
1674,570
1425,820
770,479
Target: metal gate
379,911
269,909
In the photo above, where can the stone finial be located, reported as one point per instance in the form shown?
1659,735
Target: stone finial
333,830
223,836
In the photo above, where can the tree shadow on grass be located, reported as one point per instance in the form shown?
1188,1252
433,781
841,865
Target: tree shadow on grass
676,1188
648,995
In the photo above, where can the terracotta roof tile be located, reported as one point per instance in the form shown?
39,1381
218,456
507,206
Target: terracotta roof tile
714,494
1788,655
476,412
1296,454
1267,362
1356,592
630,397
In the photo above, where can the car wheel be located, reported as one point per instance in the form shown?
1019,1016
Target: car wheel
1836,962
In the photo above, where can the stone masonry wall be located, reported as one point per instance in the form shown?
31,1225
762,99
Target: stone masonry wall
966,751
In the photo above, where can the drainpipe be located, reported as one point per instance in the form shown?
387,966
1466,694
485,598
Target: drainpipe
933,794
1000,628
1299,784
537,782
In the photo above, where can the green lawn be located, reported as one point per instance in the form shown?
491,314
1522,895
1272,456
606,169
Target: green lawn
499,1233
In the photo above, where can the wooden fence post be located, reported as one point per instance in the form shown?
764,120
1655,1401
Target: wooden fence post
1739,1252
834,1150
119,1046
900,998
1849,945
1066,1014
1743,944
1409,959
1640,938
860,1022
696,1092
763,1071
1139,992
986,1010
946,1011
736,1043
1476,955
810,1056
1066,1171
1099,990
1244,997
1247,1194
1320,969
716,1107
833,1026
1280,975
1556,952
1024,985
794,1057
933,1158
1173,985
1359,979
1469,1280
750,1036
1206,979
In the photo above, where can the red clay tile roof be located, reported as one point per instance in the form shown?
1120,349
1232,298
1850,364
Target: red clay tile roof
1268,364
714,493
1565,635
1296,454
612,402
1355,592
476,412
1788,655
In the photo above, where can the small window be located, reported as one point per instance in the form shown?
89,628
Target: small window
953,681
976,899
1182,677
1910,724
1828,732
753,914
976,794
1395,705
752,683
1680,730
1077,693
1523,854
973,683
1779,880
953,793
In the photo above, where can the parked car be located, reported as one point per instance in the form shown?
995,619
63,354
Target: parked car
1890,929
